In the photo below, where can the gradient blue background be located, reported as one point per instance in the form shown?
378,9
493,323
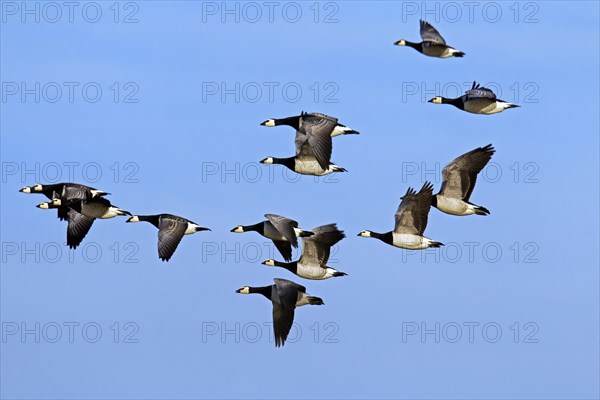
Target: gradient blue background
171,135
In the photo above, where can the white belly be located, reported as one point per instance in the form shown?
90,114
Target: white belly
313,271
310,167
409,241
454,206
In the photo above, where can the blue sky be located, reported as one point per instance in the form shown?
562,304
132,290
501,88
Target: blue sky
136,107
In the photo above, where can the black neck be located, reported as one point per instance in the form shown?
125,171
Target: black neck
294,122
264,290
260,227
291,266
289,162
416,46
384,237
434,200
153,219
457,102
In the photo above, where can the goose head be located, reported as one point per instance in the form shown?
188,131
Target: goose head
238,229
269,122
243,290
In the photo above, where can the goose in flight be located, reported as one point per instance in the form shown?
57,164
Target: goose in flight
433,44
80,215
460,177
477,100
411,221
285,296
313,148
297,120
315,254
171,229
67,191
284,232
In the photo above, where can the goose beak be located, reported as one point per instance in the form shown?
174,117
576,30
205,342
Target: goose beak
238,291
430,101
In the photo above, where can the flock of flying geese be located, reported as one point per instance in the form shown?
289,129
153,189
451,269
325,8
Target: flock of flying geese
81,205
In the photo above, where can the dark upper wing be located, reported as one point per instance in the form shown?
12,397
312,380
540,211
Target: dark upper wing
288,290
316,248
78,226
283,312
318,128
460,175
283,318
285,248
170,233
93,208
479,92
285,226
413,211
78,192
430,34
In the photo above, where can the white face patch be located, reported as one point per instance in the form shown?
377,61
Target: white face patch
37,188
269,262
268,160
269,122
244,290
365,234
26,189
44,206
238,229
135,218
436,100
400,42
56,202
